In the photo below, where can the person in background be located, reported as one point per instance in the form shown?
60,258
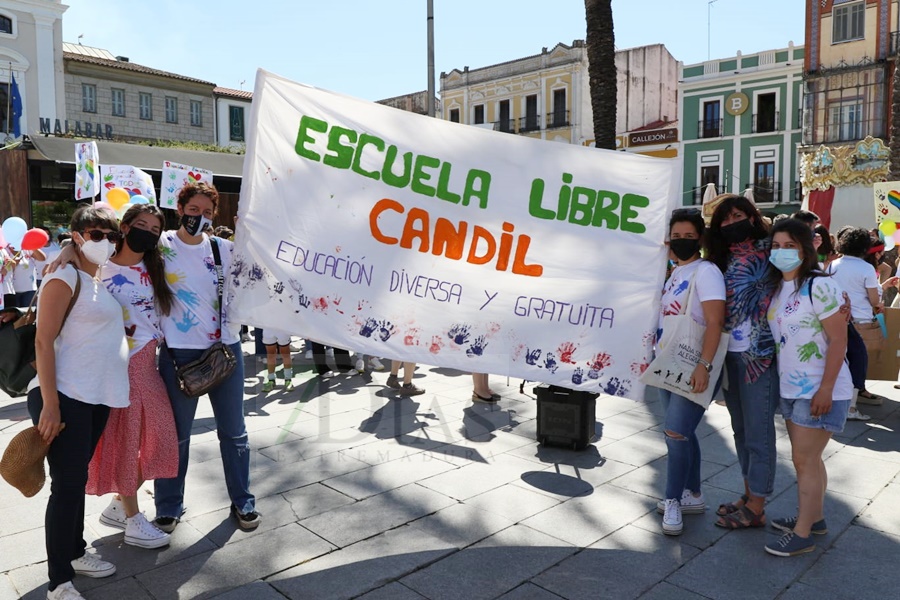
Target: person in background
341,359
815,381
682,415
224,232
192,326
858,279
407,387
278,342
7,266
826,251
51,251
23,275
82,365
481,390
738,243
808,218
139,442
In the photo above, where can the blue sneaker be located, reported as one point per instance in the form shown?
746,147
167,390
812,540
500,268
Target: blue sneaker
787,525
791,544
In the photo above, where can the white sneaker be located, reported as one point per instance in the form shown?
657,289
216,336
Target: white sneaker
114,514
671,521
64,591
92,565
376,364
690,505
855,415
360,364
143,534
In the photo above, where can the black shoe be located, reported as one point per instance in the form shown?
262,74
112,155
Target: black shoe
246,521
166,524
492,399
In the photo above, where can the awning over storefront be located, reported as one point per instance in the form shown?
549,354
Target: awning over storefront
62,150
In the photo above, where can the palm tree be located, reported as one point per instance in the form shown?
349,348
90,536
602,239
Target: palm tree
601,54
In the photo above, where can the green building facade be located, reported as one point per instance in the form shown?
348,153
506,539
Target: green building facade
740,120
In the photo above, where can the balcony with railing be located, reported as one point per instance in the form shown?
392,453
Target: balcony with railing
767,193
710,128
766,122
895,43
558,118
505,125
529,123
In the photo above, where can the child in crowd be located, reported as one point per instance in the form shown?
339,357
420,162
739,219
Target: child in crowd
277,342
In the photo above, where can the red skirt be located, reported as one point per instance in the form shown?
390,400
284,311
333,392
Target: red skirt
139,443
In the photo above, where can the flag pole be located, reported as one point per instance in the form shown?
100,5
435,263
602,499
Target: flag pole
8,98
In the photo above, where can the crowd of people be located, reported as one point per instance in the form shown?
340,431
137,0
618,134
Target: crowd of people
800,307
798,304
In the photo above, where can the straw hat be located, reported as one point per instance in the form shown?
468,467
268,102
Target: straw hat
22,465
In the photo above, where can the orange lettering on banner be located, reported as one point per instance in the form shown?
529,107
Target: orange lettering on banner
450,241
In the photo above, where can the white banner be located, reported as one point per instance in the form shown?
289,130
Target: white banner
133,180
407,237
175,177
86,159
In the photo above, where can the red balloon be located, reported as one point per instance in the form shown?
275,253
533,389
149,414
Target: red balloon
34,239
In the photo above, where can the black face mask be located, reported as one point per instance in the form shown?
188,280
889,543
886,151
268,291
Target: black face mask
737,232
194,224
684,248
141,240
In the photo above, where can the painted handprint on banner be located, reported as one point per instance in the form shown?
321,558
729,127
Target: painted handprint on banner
550,362
459,333
578,376
477,347
532,356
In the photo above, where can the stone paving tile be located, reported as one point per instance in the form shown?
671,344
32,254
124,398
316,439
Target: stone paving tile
492,567
730,478
314,499
840,512
802,591
699,530
512,502
638,449
313,468
848,569
31,550
626,424
571,480
615,568
212,573
882,514
462,525
876,442
529,591
650,479
667,591
354,522
361,567
476,478
388,476
857,476
760,575
392,591
129,589
221,528
400,448
7,589
257,590
584,520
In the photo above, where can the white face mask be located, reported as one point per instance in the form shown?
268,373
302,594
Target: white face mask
98,253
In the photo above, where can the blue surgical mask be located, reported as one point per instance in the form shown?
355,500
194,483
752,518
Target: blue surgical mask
785,259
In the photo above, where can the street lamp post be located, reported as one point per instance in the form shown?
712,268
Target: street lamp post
708,28
430,92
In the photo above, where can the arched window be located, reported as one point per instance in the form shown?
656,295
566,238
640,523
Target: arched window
6,24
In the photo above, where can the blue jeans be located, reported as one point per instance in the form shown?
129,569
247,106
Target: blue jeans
752,409
857,357
228,410
683,462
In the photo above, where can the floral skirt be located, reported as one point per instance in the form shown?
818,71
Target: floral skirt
139,442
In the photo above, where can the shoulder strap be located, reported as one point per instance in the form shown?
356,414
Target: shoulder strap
73,299
687,302
220,276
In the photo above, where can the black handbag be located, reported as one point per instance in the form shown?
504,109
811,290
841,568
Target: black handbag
217,362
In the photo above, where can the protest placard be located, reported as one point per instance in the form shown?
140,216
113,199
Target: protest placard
133,180
86,157
175,177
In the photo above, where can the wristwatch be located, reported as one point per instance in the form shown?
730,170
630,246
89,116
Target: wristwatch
706,364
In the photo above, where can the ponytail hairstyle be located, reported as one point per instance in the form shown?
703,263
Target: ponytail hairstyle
153,259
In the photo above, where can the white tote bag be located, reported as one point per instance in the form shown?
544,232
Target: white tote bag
678,354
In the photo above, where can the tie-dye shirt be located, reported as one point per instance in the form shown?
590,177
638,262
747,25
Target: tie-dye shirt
191,272
796,320
750,288
131,287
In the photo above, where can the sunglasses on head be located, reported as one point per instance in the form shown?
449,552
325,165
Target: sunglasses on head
680,212
96,235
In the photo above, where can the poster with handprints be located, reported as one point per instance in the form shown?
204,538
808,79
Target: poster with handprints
175,177
133,180
86,159
887,201
411,238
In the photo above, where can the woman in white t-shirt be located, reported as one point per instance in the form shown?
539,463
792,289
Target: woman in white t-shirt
815,385
190,328
82,366
139,442
707,307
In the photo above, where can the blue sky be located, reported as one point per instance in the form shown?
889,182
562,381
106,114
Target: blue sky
375,49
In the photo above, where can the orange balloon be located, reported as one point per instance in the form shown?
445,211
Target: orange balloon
117,198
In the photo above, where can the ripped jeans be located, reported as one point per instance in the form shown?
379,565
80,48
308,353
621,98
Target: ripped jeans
683,462
227,402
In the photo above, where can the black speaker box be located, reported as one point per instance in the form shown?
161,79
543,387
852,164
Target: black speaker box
565,417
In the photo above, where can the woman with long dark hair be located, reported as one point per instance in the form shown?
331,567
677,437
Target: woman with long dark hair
139,442
815,382
737,242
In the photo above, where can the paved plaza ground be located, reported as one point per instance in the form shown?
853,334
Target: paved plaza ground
368,495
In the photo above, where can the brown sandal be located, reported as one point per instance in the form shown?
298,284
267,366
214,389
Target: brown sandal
742,518
730,507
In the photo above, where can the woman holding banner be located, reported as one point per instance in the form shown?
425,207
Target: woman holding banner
737,242
193,266
700,283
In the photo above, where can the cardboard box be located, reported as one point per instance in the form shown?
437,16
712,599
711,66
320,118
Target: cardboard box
885,363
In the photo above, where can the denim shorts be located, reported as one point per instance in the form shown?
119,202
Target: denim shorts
797,411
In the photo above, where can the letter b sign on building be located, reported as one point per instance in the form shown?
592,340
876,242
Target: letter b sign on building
737,104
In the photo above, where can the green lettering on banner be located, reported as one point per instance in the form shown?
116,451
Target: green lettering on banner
443,181
420,176
343,155
483,178
582,211
387,173
311,124
629,202
366,140
534,201
606,213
